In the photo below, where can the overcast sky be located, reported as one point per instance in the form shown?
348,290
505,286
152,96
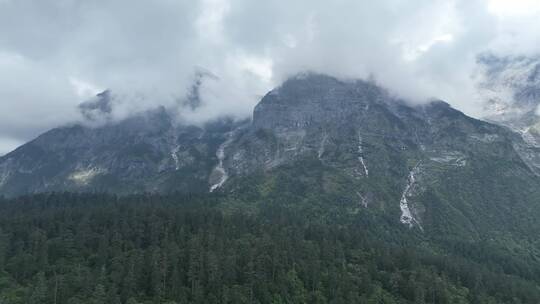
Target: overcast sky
54,54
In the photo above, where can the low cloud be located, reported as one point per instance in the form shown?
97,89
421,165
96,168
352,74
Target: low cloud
54,55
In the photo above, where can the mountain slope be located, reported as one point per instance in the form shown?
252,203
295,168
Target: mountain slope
83,248
144,153
511,87
353,143
335,192
347,143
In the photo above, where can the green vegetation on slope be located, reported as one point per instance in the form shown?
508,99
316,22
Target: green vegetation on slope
68,248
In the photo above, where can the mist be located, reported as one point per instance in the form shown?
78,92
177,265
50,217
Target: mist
54,55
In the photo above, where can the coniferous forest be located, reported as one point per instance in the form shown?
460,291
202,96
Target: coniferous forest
97,248
270,152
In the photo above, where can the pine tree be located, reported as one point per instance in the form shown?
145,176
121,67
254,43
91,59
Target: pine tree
3,249
99,296
40,290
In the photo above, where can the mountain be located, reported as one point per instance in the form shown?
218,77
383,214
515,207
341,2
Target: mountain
316,139
335,192
319,138
511,87
147,152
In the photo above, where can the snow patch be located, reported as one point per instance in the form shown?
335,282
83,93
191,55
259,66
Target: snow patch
528,137
219,170
5,171
361,158
4,175
486,138
407,216
450,157
294,148
174,155
363,200
322,146
85,176
366,171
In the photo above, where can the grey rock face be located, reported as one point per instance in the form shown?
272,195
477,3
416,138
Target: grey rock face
512,87
338,122
387,155
376,140
145,153
98,109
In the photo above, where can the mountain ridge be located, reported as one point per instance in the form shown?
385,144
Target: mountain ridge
366,148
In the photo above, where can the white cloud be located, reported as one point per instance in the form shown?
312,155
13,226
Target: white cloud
54,54
210,21
83,89
514,8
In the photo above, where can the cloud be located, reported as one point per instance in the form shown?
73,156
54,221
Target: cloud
8,144
55,55
514,8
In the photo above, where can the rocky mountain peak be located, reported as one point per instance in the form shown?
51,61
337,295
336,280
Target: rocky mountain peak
349,140
511,83
512,90
315,98
98,108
